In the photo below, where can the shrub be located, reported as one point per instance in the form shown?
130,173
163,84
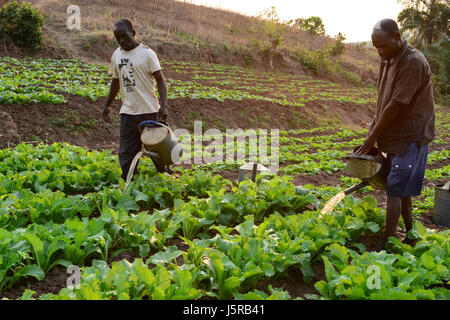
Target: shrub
347,74
319,61
338,47
313,60
22,24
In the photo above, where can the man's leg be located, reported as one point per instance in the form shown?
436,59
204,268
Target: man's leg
407,213
408,219
404,180
394,209
130,143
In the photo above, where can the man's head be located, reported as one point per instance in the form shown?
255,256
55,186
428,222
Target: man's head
124,33
386,38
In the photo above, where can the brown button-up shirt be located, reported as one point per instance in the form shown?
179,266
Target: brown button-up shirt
406,78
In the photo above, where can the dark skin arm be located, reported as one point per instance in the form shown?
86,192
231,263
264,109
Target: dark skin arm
388,115
113,91
162,90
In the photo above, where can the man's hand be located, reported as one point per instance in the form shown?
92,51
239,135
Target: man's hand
163,113
367,146
107,114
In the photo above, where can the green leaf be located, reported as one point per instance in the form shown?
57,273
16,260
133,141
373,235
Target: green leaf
54,247
38,247
255,295
184,278
428,261
372,226
128,203
232,283
144,249
330,272
60,262
27,295
145,275
268,269
139,196
171,253
32,271
322,287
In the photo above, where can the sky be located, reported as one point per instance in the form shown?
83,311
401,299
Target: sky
354,18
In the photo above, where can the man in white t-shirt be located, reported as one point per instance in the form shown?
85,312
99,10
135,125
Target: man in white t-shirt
135,69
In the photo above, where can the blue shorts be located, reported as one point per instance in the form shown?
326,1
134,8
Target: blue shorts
405,178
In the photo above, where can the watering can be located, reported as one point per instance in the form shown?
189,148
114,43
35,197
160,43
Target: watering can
371,168
160,143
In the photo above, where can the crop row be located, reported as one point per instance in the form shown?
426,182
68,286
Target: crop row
43,80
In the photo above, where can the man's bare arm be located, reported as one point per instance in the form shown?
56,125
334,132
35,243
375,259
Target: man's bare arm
113,91
162,90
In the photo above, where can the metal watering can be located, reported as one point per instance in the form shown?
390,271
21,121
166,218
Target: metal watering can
371,168
160,143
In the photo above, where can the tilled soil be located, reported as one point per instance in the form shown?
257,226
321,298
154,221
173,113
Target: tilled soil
79,121
53,282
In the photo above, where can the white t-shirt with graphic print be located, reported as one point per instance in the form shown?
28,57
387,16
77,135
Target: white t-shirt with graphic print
134,68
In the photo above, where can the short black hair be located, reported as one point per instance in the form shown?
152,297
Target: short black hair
124,22
388,26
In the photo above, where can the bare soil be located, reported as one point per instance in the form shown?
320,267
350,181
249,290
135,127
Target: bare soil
294,283
79,121
53,282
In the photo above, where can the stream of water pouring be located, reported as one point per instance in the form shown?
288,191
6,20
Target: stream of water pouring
132,166
329,206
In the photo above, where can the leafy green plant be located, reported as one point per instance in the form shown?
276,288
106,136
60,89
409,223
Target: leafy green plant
22,24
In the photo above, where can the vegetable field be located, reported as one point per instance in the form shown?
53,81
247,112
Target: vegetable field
198,234
22,81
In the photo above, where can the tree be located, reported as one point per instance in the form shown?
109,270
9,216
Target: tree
427,19
438,54
297,23
272,30
338,48
314,25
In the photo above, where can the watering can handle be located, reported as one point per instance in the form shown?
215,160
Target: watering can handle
153,122
365,157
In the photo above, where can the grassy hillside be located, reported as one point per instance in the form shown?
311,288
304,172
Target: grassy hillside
187,32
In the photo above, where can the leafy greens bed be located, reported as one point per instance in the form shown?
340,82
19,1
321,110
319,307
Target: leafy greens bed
61,205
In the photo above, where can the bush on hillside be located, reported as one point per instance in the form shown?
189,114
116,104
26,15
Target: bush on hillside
312,60
22,24
319,62
338,47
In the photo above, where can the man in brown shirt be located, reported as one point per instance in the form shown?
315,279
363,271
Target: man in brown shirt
404,122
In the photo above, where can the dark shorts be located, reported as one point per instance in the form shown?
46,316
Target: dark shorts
130,139
405,178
